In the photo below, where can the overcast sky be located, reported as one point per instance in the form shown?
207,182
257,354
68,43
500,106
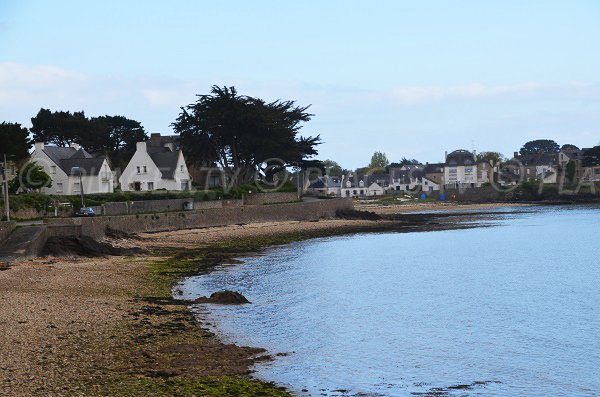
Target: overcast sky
412,79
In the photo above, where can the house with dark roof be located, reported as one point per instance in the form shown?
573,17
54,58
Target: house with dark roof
543,167
326,185
72,168
156,164
460,170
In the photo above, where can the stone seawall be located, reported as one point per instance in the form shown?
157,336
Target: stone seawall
270,198
96,227
6,229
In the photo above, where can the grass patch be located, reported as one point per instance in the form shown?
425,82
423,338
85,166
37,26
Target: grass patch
211,386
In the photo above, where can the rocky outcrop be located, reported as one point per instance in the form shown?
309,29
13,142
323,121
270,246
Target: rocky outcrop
224,298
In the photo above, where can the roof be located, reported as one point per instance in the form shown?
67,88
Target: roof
435,168
325,181
68,158
165,159
460,157
405,176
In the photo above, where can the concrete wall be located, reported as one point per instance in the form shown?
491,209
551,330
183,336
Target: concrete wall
6,229
270,198
96,227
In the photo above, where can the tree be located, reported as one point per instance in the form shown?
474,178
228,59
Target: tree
491,157
115,137
14,141
246,136
30,178
379,160
569,147
332,168
540,146
59,128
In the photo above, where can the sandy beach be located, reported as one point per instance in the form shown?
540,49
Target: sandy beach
99,326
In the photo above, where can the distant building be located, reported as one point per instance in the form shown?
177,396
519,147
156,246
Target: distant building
156,164
543,167
460,170
68,166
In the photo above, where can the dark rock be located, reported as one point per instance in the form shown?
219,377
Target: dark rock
224,298
357,215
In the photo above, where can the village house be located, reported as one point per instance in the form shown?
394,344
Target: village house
326,186
157,164
70,168
460,170
542,167
407,178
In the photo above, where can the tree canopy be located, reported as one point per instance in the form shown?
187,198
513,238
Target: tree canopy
568,147
116,137
540,146
14,141
246,136
32,177
332,168
491,157
403,162
59,128
113,136
379,160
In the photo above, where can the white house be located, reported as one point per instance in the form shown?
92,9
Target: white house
156,164
70,167
326,185
460,169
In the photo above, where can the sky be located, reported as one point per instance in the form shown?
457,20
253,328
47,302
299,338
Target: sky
410,78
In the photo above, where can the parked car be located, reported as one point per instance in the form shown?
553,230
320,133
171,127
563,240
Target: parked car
85,211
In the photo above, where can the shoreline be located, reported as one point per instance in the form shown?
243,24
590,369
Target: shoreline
138,339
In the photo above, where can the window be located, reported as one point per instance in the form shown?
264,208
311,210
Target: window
150,185
139,170
53,169
76,188
181,168
145,170
59,187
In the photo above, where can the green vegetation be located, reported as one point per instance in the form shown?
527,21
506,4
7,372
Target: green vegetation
246,136
210,386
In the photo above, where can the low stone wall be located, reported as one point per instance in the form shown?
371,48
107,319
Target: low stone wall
96,227
116,208
6,229
270,198
138,207
207,205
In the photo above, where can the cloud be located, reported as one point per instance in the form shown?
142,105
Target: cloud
415,95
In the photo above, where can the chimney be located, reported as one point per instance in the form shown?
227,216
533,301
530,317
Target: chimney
445,156
140,146
39,146
75,146
155,139
475,154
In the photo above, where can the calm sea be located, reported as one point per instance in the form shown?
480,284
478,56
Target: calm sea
508,310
